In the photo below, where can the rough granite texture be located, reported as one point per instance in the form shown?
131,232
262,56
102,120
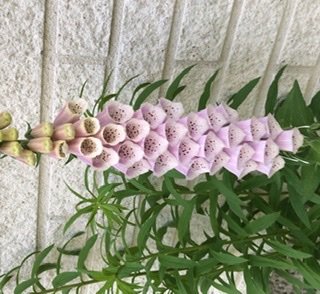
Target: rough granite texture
84,40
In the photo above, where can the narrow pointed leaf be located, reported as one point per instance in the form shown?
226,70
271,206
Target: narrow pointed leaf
288,250
262,223
206,92
38,260
64,278
85,252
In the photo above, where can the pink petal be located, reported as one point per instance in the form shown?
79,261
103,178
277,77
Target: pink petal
259,150
118,112
271,151
273,127
71,112
290,140
106,159
197,125
187,150
211,145
89,147
137,129
137,169
258,129
245,126
130,153
219,162
197,167
86,127
246,153
154,115
272,167
234,169
216,118
112,134
230,113
164,163
297,140
154,145
249,167
174,110
175,132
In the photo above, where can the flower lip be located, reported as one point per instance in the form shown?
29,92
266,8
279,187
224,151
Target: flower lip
154,115
129,153
140,167
164,163
89,147
106,159
119,112
197,125
175,132
137,129
197,167
112,134
78,106
154,145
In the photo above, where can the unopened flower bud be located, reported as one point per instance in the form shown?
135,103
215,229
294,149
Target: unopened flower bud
11,148
86,127
64,132
10,134
5,119
60,149
42,145
44,129
27,157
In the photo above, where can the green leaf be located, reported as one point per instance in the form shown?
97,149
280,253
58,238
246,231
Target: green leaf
308,274
287,113
123,86
174,262
263,261
146,92
85,252
232,199
184,221
315,105
136,90
237,99
273,92
46,267
38,260
226,258
251,284
287,250
262,223
70,158
24,286
82,88
292,280
298,206
64,278
144,232
79,213
206,92
174,86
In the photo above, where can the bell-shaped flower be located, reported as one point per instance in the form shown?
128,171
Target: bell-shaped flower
174,110
154,115
140,167
265,150
175,132
13,149
258,129
290,140
197,126
9,134
245,126
164,163
197,167
60,149
41,145
71,112
230,113
116,112
108,158
186,150
272,167
88,147
44,129
240,155
154,145
271,151
231,135
64,132
216,118
27,157
219,162
112,134
249,167
273,127
137,129
211,145
129,153
5,119
86,127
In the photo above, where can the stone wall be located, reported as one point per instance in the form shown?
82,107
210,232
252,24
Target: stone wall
49,48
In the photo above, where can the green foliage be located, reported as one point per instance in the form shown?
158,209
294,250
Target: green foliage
256,226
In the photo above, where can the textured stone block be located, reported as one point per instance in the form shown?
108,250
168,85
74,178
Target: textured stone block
204,29
143,42
21,29
252,45
303,42
84,27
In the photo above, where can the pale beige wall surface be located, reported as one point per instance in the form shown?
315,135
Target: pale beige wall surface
49,48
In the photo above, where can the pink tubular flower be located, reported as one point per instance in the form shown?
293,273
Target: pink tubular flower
106,159
88,147
173,110
112,134
140,167
60,149
64,132
71,112
154,115
164,163
129,153
154,145
290,140
137,129
197,126
116,112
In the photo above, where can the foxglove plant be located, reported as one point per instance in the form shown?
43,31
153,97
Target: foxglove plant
260,192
